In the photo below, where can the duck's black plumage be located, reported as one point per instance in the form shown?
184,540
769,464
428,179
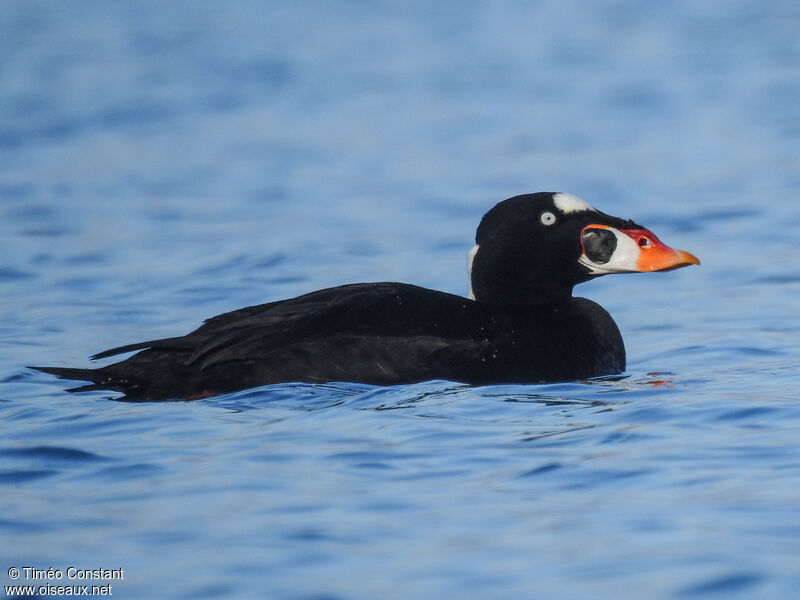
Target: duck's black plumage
522,326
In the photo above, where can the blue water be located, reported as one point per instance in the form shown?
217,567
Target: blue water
162,162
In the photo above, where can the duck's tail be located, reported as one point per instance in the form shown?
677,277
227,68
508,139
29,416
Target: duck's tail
75,375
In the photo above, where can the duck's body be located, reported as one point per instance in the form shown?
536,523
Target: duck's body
523,325
378,333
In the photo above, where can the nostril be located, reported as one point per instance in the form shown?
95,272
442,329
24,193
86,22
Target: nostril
644,242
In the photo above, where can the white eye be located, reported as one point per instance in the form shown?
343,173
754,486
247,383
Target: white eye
547,218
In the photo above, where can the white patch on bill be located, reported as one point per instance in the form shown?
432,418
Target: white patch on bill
567,203
623,260
470,259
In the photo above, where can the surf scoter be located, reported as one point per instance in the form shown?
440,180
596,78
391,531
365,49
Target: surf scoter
520,323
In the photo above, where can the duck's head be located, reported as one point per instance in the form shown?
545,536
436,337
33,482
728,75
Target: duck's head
534,248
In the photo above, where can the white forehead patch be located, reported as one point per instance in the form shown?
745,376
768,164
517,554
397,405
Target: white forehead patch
567,203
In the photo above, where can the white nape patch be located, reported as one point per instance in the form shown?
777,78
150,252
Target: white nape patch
470,259
567,203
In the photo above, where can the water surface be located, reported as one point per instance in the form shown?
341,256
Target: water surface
164,162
